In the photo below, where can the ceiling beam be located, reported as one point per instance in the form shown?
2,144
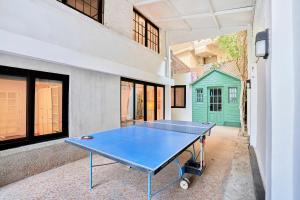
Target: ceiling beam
234,10
212,12
145,2
201,15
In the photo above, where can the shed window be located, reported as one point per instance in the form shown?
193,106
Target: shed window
178,98
33,106
90,8
199,93
145,32
232,95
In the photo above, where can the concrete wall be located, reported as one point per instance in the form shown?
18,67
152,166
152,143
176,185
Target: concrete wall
183,113
91,94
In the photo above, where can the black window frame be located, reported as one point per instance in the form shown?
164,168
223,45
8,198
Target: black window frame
236,95
100,9
174,96
31,76
145,84
147,37
199,95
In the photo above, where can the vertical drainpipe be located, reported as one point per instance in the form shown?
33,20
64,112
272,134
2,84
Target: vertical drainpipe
168,59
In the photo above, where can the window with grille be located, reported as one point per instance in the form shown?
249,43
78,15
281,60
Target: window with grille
215,100
145,32
152,37
232,95
199,93
139,27
91,8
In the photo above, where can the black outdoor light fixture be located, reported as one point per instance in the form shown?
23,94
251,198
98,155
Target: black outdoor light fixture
262,44
248,82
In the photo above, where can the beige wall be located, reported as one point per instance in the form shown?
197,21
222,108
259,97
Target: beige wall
189,59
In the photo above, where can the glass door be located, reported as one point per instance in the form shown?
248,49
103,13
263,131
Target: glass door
126,103
160,103
139,102
215,108
150,103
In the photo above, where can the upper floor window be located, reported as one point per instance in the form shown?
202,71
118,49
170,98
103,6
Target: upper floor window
91,8
232,95
199,93
145,32
33,106
178,96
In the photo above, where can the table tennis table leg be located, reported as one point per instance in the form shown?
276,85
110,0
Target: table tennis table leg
149,185
91,171
194,153
201,153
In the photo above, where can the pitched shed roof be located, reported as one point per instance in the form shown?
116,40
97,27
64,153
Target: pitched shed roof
210,72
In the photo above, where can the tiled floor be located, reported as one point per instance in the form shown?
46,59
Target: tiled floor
227,176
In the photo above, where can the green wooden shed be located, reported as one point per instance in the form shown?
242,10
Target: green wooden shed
216,98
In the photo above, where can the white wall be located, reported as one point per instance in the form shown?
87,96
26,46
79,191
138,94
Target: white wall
118,16
258,69
296,150
184,114
51,31
283,100
276,140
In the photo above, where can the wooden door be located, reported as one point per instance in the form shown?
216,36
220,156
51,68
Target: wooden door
215,106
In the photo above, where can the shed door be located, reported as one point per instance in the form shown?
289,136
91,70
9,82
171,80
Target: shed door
215,106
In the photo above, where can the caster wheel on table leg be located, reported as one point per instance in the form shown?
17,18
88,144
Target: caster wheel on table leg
184,183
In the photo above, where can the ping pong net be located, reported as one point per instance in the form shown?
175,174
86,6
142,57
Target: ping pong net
174,127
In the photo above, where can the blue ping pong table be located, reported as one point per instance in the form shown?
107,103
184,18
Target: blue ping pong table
149,147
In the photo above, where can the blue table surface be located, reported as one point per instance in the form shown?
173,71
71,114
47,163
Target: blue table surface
143,147
187,123
199,130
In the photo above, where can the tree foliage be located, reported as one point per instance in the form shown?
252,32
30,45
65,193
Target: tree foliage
229,44
235,47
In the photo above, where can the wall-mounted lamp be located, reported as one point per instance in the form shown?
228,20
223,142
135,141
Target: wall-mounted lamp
248,82
262,44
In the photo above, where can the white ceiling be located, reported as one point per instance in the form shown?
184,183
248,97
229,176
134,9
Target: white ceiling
183,15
